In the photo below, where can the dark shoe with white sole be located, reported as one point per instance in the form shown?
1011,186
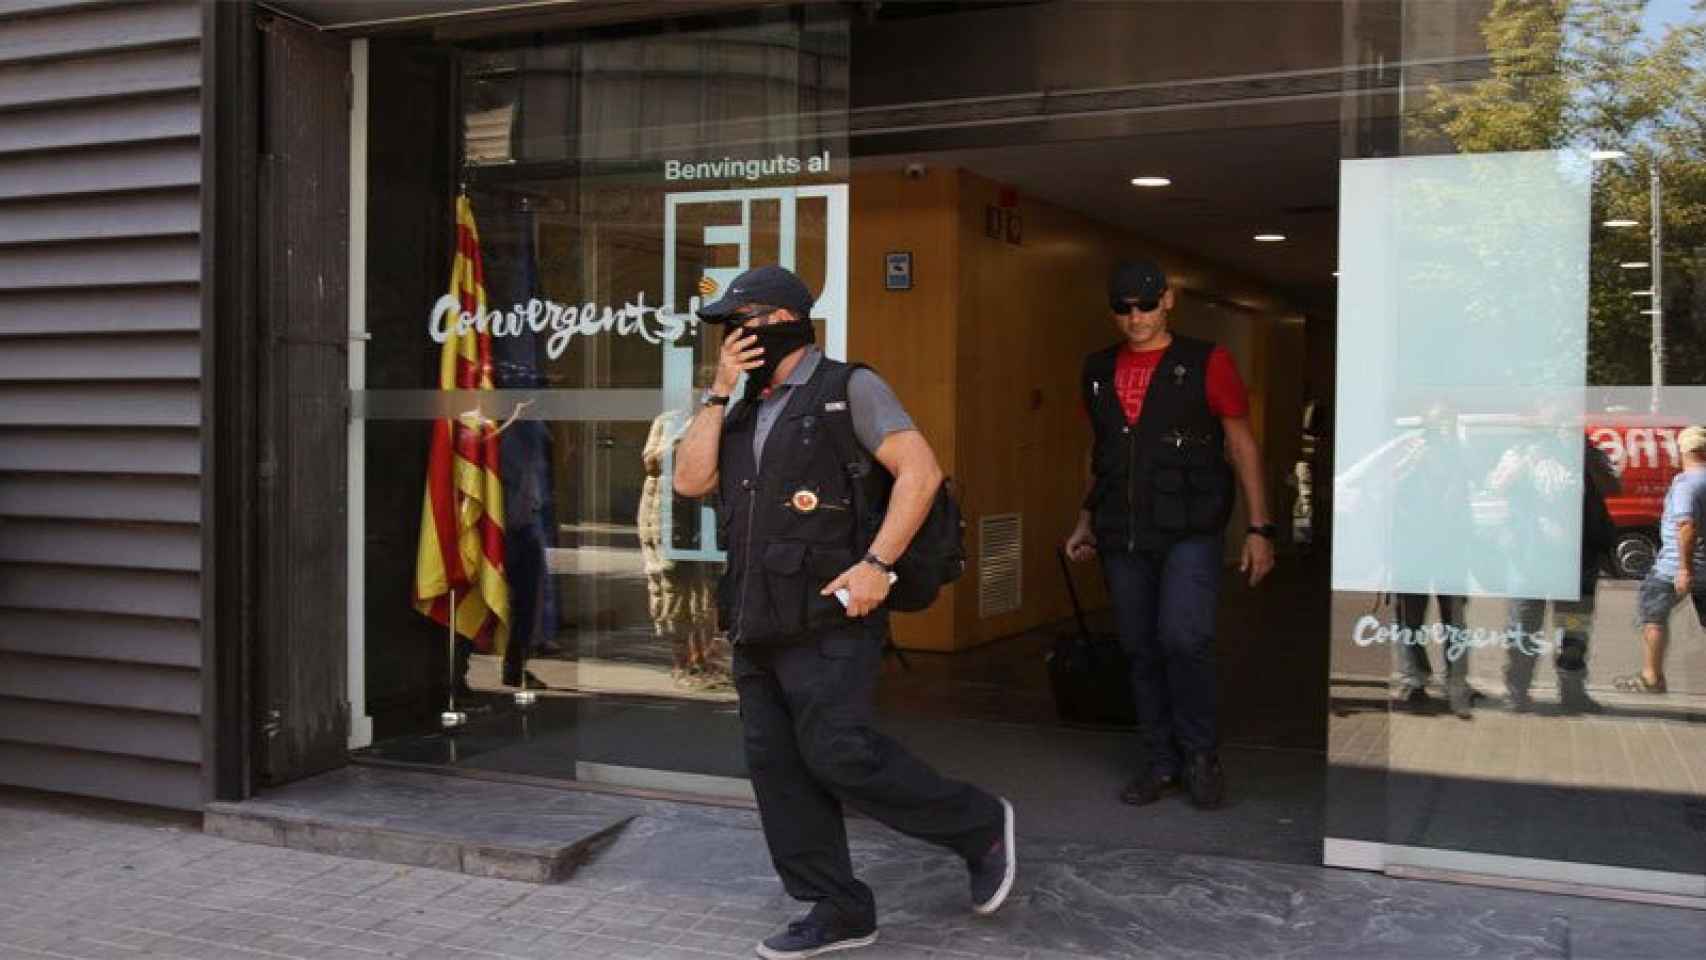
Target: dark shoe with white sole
1148,788
819,932
992,876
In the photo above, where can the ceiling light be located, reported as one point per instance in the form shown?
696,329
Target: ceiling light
1151,182
1619,224
1649,313
1635,265
1607,154
1641,293
1335,273
1270,238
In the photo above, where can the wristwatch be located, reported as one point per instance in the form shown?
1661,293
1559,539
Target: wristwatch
715,400
1267,530
877,562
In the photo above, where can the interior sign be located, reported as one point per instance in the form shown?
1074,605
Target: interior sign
730,168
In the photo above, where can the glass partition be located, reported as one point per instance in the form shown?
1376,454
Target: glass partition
609,183
1519,337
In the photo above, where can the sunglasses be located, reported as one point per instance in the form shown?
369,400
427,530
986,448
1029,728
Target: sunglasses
1124,307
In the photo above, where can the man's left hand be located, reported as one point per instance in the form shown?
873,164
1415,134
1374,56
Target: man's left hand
1258,559
867,587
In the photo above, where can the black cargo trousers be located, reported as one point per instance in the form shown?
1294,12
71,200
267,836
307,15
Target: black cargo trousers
806,715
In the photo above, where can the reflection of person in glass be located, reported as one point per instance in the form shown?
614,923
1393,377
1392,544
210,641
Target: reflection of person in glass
1679,570
681,593
1540,472
1431,485
806,662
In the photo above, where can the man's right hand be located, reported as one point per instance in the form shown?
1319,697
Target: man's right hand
1081,546
740,353
1684,582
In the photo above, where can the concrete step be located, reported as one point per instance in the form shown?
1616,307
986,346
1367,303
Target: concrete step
477,827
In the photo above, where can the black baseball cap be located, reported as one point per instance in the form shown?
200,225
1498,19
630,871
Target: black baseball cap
1138,281
770,285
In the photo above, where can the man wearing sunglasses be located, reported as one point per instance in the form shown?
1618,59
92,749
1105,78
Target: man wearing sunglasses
805,659
1171,430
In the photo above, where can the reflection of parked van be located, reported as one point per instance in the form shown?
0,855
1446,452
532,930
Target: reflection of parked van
1646,458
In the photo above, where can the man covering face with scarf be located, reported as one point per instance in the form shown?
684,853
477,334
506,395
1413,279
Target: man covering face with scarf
804,601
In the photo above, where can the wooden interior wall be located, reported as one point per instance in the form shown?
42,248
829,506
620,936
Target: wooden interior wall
985,351
911,336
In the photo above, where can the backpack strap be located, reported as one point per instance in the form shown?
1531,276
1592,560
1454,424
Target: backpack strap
836,409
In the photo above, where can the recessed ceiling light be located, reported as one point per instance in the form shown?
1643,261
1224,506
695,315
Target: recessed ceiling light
1151,182
1607,154
1270,238
1649,313
1635,265
1335,273
1619,224
1641,293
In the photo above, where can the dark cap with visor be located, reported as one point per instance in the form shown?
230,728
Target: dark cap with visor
771,286
1138,282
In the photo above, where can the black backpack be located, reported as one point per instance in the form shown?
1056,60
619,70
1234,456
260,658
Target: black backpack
937,554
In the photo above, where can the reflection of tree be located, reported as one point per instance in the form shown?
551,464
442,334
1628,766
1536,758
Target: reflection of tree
1579,73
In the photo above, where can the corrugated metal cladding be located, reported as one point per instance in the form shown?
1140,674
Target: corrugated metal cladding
100,399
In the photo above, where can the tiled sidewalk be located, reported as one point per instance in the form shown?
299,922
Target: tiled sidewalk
85,882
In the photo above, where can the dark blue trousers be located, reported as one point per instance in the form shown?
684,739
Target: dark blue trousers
1164,608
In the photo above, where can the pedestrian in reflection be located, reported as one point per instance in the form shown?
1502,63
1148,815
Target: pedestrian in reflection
1170,433
681,594
806,662
1679,570
1431,486
1542,469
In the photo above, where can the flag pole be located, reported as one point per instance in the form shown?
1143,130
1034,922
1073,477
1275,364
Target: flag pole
452,717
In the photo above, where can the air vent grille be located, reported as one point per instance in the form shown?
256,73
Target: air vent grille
1000,564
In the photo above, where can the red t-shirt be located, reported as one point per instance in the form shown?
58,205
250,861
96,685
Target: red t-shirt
1134,368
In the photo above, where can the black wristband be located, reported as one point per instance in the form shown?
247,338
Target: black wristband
715,400
877,562
1267,530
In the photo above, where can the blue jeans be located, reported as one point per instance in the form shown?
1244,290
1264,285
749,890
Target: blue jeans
1164,607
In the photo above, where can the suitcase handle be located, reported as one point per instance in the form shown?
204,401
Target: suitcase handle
1072,591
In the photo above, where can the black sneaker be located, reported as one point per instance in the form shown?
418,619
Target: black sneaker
821,931
1149,788
1205,781
992,876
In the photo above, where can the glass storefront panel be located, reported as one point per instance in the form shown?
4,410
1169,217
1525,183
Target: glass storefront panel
613,182
1477,229
1518,347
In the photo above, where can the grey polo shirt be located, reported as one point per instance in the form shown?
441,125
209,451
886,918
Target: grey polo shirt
875,409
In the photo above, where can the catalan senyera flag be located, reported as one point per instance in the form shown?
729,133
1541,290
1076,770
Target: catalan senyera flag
462,523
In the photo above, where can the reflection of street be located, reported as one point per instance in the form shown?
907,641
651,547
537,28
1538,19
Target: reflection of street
605,642
1635,742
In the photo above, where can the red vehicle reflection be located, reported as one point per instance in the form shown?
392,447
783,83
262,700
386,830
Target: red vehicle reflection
1646,458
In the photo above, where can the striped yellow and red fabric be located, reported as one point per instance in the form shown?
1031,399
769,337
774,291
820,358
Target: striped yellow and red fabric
462,523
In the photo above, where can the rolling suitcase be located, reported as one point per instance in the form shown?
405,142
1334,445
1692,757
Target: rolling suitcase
1088,672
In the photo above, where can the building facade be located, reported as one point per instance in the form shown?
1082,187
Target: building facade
1450,246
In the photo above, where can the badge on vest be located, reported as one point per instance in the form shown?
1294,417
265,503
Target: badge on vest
803,501
835,406
1179,374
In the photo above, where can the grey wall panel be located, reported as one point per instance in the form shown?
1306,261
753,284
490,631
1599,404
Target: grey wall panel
165,117
152,357
130,592
112,263
167,70
157,736
57,220
82,32
83,497
131,779
100,405
133,451
133,546
91,636
125,310
145,166
128,685
100,399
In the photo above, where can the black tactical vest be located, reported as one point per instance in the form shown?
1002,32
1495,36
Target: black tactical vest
1166,476
787,523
